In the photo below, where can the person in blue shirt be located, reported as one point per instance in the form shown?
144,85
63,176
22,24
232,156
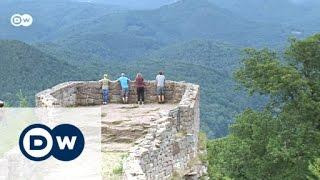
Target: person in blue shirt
124,82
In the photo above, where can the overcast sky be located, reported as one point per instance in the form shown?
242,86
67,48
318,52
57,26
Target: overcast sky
301,1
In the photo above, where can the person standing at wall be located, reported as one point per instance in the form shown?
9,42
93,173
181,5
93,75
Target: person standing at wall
139,82
124,82
160,81
105,88
2,121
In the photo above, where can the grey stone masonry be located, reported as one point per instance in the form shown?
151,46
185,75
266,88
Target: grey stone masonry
81,93
171,143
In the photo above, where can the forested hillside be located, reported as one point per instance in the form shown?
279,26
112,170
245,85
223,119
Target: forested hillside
131,35
204,62
281,141
269,97
298,15
49,16
25,68
181,21
192,40
212,69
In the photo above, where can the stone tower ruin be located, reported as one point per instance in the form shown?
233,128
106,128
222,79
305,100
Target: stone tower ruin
157,141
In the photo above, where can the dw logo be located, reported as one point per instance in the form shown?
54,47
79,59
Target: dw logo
21,20
38,142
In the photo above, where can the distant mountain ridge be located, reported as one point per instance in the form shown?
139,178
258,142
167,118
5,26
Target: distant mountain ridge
129,35
185,20
181,21
298,14
133,4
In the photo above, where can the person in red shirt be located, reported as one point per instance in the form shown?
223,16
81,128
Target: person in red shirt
139,82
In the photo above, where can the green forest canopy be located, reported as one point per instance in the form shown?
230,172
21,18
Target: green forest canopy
282,140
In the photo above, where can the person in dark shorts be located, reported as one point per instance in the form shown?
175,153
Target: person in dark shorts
1,104
160,81
139,82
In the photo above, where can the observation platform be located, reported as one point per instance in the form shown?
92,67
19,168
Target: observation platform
140,142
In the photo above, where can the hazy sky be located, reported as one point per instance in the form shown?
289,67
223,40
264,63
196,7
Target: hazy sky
138,3
301,1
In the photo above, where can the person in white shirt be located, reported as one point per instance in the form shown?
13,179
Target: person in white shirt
160,81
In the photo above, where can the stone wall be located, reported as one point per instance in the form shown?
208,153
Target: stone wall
171,143
83,93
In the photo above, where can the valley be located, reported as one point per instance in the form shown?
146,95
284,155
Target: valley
195,40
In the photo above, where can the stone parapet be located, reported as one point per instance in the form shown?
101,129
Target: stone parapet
171,143
88,93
